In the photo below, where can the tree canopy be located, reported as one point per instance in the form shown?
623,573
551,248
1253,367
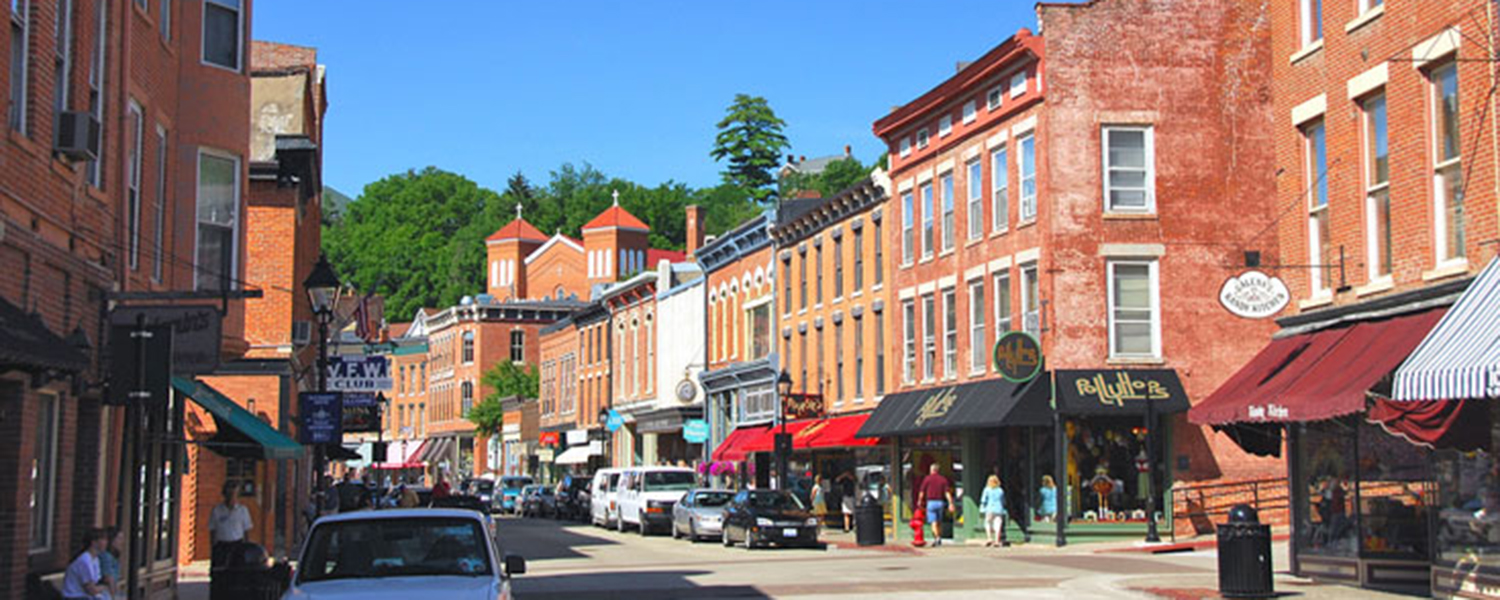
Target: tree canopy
834,178
750,138
505,379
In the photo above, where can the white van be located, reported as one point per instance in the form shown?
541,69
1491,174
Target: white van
646,496
602,508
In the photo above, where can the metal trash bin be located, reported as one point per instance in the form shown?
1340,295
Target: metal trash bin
1245,555
869,522
245,573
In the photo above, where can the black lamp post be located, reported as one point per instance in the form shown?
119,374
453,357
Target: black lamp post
783,444
608,436
322,287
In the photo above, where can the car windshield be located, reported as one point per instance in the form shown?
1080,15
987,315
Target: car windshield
712,498
775,500
669,481
513,483
402,547
546,491
484,487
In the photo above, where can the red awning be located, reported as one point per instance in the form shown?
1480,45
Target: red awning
1457,424
732,449
766,441
402,455
1315,376
832,432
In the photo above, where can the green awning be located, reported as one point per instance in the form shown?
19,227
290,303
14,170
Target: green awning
241,434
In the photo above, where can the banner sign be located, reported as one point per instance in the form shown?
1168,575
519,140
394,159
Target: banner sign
1254,295
1018,356
195,333
695,431
1124,391
322,416
361,413
359,373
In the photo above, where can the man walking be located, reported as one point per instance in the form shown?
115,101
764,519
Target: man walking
227,524
935,495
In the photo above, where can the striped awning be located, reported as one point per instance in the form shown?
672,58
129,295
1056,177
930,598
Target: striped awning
1461,357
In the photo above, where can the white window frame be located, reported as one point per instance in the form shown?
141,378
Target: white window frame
929,337
971,111
974,187
1374,189
47,403
161,204
908,227
1000,188
922,138
135,120
1319,286
1018,83
1031,273
1153,282
995,98
1004,309
1443,168
977,339
950,333
1149,143
945,126
165,19
908,341
17,119
929,221
234,251
906,146
1027,144
98,69
1306,10
950,211
239,53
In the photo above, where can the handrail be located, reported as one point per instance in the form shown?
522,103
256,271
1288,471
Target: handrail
1197,503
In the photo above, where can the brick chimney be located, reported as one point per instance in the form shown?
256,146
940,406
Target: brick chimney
694,229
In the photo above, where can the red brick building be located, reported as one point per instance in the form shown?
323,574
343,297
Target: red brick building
1088,187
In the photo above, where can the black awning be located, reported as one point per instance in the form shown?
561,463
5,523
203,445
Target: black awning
1119,392
26,342
988,403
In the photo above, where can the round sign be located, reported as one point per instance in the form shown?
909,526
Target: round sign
695,431
686,391
1254,295
1018,356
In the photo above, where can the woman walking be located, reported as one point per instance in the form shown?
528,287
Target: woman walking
819,500
1046,510
992,504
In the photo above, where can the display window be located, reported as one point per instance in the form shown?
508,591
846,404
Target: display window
1108,469
1362,492
1468,510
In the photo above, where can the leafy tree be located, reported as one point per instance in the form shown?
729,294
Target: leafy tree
835,177
750,138
488,417
506,379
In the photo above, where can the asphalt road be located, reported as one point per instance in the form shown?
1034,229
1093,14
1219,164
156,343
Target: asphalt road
578,561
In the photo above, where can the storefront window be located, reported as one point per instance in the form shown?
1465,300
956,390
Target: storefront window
1468,510
919,454
1395,489
1327,470
1107,469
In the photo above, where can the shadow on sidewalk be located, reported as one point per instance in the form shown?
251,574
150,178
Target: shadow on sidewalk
658,585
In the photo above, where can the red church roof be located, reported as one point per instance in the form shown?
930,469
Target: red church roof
654,256
517,229
615,216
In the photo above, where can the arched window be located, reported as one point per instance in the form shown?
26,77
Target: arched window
468,347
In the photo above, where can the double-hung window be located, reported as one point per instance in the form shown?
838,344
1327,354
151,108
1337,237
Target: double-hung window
838,360
165,18
1311,13
880,351
908,228
218,218
1128,169
133,127
929,241
802,279
971,111
859,258
62,33
818,260
1031,305
838,266
976,326
905,147
950,333
949,226
786,285
1027,143
222,24
859,357
994,98
879,242
921,138
1002,303
929,337
974,188
945,125
1377,188
94,171
468,347
517,345
1134,317
908,341
159,231
1320,244
999,189
1447,174
20,62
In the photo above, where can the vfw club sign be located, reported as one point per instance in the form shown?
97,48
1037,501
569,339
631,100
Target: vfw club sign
1254,295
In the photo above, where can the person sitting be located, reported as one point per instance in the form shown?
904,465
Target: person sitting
83,580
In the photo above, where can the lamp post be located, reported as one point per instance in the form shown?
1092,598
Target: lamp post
783,444
608,436
322,287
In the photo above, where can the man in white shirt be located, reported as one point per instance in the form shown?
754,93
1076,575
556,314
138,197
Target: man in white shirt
227,524
82,578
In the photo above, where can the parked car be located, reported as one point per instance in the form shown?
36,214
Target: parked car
769,517
424,496
646,496
573,502
603,507
510,490
538,501
482,490
700,514
463,501
407,553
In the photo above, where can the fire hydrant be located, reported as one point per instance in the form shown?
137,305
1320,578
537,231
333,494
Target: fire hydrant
917,523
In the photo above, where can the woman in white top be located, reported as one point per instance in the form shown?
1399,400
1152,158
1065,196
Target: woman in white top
82,581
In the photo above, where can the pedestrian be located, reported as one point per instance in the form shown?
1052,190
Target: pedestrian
936,495
847,492
227,524
992,504
83,580
350,493
409,498
1046,509
819,501
440,489
109,560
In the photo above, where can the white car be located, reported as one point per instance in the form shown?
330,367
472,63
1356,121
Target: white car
404,553
602,508
647,494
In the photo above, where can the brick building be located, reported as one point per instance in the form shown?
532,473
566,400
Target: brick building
1386,206
1076,186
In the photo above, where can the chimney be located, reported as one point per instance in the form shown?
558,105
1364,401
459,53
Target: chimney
694,230
791,159
801,159
848,152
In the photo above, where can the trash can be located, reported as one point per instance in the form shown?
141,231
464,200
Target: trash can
1245,555
246,574
869,522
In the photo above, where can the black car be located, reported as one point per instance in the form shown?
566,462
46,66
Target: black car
573,502
769,517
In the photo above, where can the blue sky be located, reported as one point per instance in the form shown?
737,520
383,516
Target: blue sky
485,88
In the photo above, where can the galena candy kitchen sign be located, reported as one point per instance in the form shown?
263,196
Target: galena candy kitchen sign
1254,295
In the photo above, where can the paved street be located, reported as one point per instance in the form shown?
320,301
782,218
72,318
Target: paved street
580,561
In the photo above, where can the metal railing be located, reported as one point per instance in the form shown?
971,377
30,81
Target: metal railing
1201,506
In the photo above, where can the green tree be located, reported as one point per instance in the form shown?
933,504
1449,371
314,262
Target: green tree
488,417
750,138
505,380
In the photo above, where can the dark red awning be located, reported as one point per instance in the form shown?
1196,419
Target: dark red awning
733,447
1457,424
1315,376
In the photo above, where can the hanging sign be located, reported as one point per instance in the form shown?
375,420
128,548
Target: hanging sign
1018,356
361,412
322,416
695,431
1254,295
615,421
195,333
550,438
359,373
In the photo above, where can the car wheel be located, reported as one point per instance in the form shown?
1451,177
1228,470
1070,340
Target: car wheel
643,526
724,535
619,524
676,531
692,531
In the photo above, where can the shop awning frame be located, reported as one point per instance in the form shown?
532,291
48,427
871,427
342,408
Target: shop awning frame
732,449
233,421
987,403
579,454
1460,358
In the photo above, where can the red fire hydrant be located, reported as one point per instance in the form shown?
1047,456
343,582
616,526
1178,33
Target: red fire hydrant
917,523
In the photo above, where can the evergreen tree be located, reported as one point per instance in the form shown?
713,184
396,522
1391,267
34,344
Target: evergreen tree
750,138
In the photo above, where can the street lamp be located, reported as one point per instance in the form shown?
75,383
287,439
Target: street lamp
783,445
608,436
322,287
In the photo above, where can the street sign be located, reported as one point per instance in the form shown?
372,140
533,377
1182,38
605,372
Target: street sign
322,417
695,431
615,421
195,333
361,413
1018,356
140,353
359,373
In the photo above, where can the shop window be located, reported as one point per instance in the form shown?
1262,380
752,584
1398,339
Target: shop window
1361,492
1110,481
1395,491
43,468
1468,499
